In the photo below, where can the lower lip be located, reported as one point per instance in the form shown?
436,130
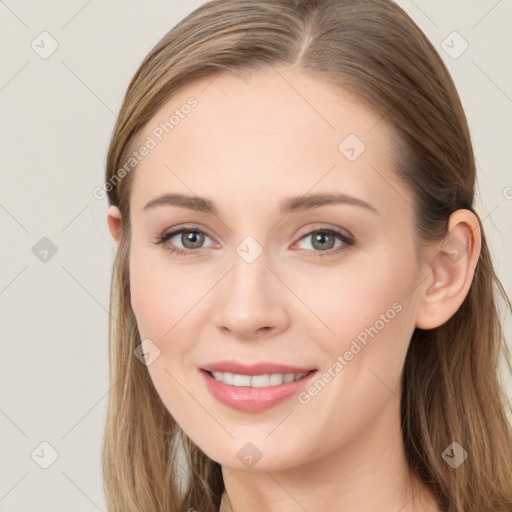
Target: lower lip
248,399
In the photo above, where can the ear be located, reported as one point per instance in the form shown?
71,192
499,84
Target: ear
114,224
451,271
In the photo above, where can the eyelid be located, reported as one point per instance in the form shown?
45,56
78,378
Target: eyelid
186,227
323,227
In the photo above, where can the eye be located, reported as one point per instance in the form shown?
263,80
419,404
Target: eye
190,237
323,241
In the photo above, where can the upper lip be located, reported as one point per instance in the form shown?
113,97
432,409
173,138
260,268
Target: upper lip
261,368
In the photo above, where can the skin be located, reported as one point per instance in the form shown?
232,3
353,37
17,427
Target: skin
249,143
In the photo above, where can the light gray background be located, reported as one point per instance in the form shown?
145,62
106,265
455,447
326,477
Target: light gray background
57,115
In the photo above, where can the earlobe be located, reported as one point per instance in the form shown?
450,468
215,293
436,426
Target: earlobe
114,224
451,271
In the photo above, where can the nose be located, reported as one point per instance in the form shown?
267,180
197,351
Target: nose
251,301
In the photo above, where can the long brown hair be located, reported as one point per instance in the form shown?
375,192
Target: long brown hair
450,387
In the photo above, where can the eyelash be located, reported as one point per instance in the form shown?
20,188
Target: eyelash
347,241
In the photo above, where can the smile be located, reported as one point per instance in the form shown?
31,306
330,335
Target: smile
256,381
255,393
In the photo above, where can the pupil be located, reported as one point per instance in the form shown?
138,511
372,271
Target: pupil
320,237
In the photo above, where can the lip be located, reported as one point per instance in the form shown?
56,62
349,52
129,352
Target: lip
253,400
261,368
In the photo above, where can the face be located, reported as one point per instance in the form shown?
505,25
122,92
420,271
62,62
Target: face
272,275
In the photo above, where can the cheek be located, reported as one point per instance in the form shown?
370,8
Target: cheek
147,299
166,300
371,312
367,310
366,291
160,295
160,302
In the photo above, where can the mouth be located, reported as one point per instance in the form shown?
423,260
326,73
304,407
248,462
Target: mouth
257,381
256,392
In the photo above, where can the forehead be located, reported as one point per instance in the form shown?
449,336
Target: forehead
282,101
272,132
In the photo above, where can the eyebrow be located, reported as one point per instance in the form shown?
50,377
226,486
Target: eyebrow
288,204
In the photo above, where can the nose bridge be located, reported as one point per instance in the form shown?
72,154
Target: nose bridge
250,300
249,265
249,277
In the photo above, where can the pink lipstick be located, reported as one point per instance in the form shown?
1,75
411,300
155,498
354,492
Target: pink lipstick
254,387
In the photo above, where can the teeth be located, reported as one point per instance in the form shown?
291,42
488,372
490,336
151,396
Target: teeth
257,381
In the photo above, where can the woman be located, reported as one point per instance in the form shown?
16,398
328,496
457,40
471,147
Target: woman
303,297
